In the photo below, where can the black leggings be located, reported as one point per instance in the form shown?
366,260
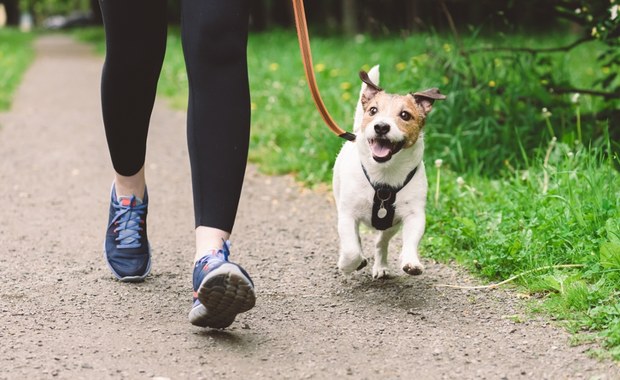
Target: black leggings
214,34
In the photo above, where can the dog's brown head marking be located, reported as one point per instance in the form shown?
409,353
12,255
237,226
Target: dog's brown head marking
383,111
426,98
371,89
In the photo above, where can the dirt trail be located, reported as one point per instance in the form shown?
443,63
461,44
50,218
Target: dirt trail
63,316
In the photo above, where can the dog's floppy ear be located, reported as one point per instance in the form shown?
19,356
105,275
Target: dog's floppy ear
426,98
371,88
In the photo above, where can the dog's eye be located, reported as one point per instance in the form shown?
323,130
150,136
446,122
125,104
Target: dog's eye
372,111
406,116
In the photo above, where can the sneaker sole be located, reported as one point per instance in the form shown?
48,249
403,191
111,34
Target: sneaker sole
128,278
223,294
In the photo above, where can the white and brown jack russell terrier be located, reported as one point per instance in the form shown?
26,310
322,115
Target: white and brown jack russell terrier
380,180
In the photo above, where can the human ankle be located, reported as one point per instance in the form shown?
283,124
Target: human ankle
130,185
209,240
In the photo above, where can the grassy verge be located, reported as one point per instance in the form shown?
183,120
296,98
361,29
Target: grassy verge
564,209
511,198
16,53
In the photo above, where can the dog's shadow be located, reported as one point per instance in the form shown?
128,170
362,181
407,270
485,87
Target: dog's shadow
408,293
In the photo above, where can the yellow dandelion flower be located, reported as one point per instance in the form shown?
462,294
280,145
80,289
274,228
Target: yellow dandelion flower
492,83
606,70
400,66
345,86
366,67
346,96
447,48
253,106
445,80
334,73
319,67
274,66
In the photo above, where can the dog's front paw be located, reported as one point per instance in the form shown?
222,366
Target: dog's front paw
413,269
379,271
348,264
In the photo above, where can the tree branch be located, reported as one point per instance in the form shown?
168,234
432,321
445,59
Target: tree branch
532,51
569,90
459,42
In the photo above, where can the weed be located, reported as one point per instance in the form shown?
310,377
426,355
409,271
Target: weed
512,225
16,53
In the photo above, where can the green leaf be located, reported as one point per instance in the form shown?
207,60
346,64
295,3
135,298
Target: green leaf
469,226
609,79
610,255
612,226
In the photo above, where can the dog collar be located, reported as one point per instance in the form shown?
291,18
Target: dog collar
383,209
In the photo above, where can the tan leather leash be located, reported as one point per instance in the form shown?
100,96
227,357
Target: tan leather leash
306,56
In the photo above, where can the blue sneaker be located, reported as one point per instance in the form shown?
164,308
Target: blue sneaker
221,290
126,248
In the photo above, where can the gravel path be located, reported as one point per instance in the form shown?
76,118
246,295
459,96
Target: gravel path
63,316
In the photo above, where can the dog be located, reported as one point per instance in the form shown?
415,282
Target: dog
379,179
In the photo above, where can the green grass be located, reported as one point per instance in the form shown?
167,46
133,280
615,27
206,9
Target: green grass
16,54
522,202
91,35
503,227
496,117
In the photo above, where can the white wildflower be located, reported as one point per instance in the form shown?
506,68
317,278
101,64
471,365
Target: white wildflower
438,162
614,11
460,181
525,175
575,98
578,11
545,113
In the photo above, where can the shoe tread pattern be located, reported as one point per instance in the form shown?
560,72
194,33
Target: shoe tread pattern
224,296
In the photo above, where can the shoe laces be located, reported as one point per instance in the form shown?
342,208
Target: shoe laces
128,221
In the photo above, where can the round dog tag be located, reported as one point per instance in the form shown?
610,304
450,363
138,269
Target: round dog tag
382,213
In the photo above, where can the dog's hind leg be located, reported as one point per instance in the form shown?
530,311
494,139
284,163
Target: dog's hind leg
380,267
413,229
351,258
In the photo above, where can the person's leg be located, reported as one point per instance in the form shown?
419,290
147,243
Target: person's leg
214,34
135,45
214,42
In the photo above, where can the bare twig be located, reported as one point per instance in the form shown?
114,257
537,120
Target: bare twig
445,10
558,49
458,41
491,286
568,90
546,165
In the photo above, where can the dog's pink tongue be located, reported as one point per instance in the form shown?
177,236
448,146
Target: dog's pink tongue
380,150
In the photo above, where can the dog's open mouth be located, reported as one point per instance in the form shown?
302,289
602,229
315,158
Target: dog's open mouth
383,149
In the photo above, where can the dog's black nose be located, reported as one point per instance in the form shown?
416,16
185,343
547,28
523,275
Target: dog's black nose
382,128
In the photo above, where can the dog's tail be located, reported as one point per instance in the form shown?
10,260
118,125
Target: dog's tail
373,74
